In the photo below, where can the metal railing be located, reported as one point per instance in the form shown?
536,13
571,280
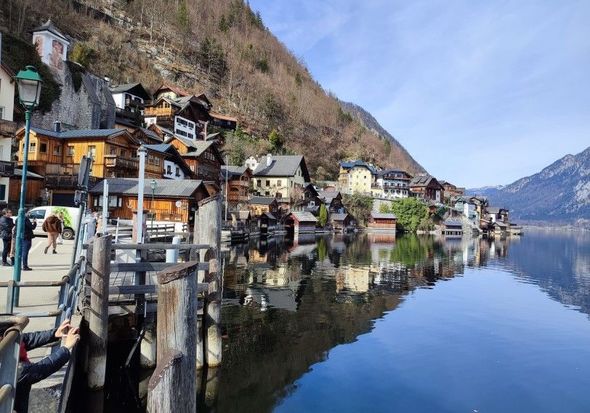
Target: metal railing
11,331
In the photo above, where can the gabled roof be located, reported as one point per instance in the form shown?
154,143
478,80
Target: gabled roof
380,215
359,164
199,147
339,217
233,170
283,165
80,133
384,172
179,91
453,222
303,216
149,133
165,188
48,26
262,200
136,89
328,196
423,181
171,151
160,147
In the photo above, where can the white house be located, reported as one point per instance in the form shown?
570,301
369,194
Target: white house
7,129
282,177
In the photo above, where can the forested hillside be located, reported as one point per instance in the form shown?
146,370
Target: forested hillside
221,48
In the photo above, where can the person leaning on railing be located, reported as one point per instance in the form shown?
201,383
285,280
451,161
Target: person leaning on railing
31,373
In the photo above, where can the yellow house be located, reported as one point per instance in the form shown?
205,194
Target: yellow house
356,177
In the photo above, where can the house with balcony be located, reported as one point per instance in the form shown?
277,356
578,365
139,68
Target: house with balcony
451,192
164,161
356,177
130,100
186,116
391,184
427,188
283,177
56,155
7,130
238,185
203,157
332,198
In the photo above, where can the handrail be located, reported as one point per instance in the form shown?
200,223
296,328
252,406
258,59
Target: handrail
9,351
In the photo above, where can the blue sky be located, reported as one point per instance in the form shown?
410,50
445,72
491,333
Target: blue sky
479,92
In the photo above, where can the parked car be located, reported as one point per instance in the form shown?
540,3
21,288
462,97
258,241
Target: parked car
70,215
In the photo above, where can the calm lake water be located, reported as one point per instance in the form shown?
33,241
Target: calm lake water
375,324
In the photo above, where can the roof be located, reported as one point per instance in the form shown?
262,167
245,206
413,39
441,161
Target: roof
30,175
8,70
303,216
50,27
328,196
380,215
80,133
358,163
160,147
199,147
495,210
339,217
150,134
233,170
165,188
391,171
175,89
423,180
215,115
282,165
453,222
262,200
136,89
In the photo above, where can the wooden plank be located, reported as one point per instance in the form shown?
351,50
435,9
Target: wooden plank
149,266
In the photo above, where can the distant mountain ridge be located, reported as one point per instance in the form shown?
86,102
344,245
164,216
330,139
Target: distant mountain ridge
368,121
560,193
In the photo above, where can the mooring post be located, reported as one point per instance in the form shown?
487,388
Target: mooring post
208,231
172,254
173,386
99,311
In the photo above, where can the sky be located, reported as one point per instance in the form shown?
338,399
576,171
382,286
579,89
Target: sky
480,92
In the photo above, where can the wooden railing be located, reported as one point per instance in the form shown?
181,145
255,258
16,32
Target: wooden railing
116,161
151,111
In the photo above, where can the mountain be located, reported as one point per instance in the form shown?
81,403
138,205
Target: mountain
560,193
223,49
369,122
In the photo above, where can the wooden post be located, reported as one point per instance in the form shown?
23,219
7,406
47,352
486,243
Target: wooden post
208,231
99,311
174,387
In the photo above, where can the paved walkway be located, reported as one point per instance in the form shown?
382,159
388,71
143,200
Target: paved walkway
46,267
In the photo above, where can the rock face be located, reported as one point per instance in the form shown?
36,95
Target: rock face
559,193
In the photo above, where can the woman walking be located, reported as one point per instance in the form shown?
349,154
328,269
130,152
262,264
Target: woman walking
6,225
53,227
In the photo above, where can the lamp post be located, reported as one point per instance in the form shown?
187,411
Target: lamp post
154,184
29,84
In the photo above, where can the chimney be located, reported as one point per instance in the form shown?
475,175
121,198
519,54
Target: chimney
57,126
268,159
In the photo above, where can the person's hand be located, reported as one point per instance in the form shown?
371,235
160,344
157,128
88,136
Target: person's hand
72,338
62,330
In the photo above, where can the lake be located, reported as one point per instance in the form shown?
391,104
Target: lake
372,323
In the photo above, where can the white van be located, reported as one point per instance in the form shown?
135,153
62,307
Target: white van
71,216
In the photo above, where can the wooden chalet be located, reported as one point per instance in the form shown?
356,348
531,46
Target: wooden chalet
238,184
130,100
223,121
333,200
381,221
260,205
170,164
300,223
451,192
427,188
311,201
341,222
202,157
174,200
267,222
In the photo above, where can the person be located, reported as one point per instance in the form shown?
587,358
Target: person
52,225
60,240
27,241
6,225
31,373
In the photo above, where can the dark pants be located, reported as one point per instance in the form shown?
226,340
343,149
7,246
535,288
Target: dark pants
26,248
6,250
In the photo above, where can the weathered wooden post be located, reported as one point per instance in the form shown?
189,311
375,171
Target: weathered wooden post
173,386
99,311
208,231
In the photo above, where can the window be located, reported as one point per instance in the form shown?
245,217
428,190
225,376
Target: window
279,182
177,171
92,151
57,150
2,192
268,182
1,112
168,169
32,146
113,150
123,153
156,161
37,214
258,183
43,147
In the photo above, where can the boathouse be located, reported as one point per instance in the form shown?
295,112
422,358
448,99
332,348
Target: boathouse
173,200
382,221
267,222
341,222
300,223
452,227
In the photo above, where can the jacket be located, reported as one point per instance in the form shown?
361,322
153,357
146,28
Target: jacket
6,225
31,373
52,225
29,227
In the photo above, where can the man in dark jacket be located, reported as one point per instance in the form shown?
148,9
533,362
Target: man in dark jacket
31,373
6,225
27,241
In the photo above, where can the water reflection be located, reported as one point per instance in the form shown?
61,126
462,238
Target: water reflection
287,305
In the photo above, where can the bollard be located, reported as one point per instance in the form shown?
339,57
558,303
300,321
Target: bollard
172,255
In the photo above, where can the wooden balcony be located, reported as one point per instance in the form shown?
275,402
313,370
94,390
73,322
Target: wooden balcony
159,112
116,161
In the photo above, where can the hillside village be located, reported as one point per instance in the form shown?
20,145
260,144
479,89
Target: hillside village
183,142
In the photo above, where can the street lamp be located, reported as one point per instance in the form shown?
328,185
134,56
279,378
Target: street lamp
154,184
29,85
